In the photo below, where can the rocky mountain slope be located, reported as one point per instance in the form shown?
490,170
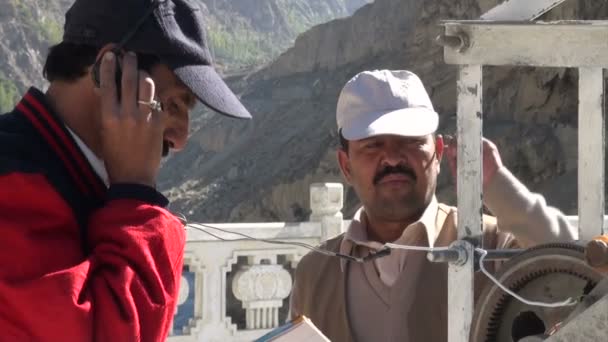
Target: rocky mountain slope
26,30
242,33
261,170
246,33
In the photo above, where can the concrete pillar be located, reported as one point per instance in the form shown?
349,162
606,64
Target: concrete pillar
326,202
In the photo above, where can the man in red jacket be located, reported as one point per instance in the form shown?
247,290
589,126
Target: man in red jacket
87,250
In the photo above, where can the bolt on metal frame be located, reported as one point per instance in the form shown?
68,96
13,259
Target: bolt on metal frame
474,44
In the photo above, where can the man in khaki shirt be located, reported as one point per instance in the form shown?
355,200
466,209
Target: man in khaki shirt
391,156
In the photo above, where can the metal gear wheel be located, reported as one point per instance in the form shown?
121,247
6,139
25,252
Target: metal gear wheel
547,273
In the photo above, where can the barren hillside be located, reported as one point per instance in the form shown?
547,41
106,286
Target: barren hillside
261,170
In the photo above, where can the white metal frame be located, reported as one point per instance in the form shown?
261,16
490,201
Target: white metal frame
473,44
520,9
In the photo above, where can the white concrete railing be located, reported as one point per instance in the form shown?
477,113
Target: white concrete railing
239,290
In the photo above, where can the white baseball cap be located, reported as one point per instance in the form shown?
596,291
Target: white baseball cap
385,102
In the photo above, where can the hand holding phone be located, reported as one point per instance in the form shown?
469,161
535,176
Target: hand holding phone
131,133
118,74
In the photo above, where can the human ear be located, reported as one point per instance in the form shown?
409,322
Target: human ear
439,147
344,163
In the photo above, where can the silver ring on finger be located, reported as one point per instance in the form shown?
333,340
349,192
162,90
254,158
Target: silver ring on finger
156,106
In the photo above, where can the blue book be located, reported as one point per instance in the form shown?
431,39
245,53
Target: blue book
300,329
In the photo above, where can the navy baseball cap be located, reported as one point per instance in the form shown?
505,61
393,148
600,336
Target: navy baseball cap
172,30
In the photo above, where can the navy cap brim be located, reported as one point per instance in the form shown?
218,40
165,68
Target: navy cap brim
211,90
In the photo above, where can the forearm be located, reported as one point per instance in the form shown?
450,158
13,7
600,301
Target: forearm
524,214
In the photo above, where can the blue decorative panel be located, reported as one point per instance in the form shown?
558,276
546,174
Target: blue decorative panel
185,308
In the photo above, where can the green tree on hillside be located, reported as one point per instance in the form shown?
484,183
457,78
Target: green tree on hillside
8,94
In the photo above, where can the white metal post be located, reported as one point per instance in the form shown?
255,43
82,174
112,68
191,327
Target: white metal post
460,296
472,44
591,139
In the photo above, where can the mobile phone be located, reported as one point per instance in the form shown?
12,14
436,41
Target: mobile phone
117,76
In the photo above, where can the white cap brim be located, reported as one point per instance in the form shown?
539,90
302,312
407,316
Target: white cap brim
407,122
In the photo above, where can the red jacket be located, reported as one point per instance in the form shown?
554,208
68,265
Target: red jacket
78,261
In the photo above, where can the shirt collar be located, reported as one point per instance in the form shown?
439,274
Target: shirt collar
98,165
429,221
356,234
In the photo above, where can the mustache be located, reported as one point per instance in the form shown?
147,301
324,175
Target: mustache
397,169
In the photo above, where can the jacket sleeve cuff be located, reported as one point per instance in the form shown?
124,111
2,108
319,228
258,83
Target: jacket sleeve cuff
139,192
